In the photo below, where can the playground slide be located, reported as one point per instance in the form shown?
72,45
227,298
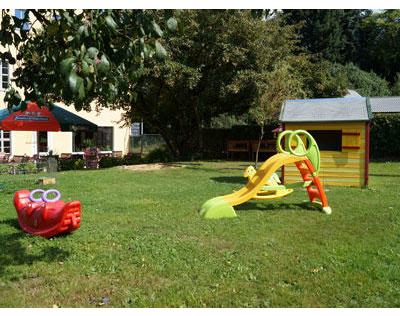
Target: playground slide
222,206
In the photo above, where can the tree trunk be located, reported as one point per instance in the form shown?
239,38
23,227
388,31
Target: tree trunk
259,143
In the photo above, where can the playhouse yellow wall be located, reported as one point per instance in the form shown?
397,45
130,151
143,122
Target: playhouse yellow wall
343,168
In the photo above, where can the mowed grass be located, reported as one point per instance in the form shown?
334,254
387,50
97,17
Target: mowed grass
142,244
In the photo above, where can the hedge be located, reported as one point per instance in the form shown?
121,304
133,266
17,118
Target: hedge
384,136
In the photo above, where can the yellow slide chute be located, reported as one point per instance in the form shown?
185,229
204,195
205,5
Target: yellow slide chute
222,206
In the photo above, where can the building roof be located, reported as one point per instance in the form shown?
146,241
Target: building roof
326,110
352,94
385,105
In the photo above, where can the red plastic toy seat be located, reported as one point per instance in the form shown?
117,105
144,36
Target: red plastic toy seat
46,218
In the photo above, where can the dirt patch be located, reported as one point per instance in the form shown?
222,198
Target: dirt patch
150,166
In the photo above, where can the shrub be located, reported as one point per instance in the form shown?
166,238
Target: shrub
108,162
161,154
71,164
132,159
385,129
66,164
5,169
26,167
79,164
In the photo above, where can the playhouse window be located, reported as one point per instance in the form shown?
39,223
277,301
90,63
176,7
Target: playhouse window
328,139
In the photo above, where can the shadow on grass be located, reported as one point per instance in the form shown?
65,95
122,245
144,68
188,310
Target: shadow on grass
237,180
252,206
14,252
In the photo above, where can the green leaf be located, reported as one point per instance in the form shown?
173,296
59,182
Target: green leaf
81,31
161,53
66,65
156,28
92,52
51,104
85,68
89,83
111,23
172,24
81,91
41,102
74,82
104,66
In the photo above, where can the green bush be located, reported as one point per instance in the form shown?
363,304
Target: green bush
79,164
132,159
30,167
384,136
108,162
367,84
66,164
161,154
5,169
71,164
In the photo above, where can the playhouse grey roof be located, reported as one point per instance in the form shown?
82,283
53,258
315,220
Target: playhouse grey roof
325,110
385,105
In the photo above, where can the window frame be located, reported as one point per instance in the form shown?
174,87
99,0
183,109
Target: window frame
8,76
2,140
112,137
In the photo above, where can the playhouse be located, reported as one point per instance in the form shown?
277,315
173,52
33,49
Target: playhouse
341,129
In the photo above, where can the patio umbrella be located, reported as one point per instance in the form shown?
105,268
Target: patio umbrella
35,118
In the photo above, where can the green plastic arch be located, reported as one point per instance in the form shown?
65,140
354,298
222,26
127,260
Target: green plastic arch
278,141
300,143
312,152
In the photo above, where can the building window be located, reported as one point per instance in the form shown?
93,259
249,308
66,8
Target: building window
42,142
5,75
82,140
105,138
328,140
5,142
102,139
20,14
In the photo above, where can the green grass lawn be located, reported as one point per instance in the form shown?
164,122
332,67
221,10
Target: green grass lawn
142,244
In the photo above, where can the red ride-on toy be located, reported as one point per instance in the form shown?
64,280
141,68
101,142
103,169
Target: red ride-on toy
46,217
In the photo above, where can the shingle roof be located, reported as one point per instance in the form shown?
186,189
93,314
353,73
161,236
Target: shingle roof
325,110
385,105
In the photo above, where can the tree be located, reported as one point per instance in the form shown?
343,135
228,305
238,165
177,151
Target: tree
367,84
335,34
219,65
277,85
382,43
